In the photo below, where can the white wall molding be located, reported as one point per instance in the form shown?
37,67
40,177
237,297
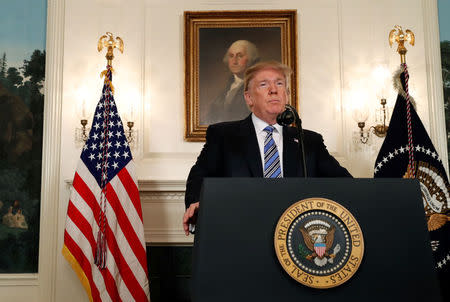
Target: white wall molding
51,152
341,122
19,280
438,132
161,197
153,185
155,236
161,185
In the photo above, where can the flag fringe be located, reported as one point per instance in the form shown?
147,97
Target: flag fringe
397,83
78,270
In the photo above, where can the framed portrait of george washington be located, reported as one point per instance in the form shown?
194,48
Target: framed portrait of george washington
218,47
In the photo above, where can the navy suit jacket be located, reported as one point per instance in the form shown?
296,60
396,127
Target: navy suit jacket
231,150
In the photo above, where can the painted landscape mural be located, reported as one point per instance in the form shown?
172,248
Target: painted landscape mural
22,75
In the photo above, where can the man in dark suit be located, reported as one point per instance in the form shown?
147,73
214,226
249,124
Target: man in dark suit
257,146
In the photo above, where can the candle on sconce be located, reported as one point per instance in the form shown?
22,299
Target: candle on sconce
126,101
358,105
84,116
129,99
380,76
359,109
132,115
83,110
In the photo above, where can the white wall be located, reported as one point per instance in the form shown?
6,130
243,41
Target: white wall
339,42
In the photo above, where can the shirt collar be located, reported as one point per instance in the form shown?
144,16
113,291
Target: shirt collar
260,125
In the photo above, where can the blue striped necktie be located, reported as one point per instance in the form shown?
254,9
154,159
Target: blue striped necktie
272,168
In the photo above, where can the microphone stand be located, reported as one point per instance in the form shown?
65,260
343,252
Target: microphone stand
298,125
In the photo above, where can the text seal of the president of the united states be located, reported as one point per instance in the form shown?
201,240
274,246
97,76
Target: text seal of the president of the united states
319,243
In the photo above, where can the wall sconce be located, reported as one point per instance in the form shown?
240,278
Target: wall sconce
130,118
131,135
379,130
84,115
378,83
360,113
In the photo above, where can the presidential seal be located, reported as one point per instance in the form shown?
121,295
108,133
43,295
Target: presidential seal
319,243
435,195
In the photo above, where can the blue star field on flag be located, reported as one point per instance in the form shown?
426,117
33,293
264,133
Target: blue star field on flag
106,151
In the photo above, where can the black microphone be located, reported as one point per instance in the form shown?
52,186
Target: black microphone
287,117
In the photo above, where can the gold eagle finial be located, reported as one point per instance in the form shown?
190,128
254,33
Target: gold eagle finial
397,35
108,42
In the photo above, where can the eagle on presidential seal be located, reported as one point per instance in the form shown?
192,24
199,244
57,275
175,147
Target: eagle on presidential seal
318,236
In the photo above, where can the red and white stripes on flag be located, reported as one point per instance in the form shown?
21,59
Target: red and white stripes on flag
104,235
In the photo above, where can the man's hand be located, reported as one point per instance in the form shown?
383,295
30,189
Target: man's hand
190,216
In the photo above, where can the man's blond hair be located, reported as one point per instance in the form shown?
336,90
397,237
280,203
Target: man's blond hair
275,65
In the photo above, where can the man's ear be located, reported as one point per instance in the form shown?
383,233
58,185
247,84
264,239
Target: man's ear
248,99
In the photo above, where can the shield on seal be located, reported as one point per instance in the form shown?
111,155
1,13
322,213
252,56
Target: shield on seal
319,248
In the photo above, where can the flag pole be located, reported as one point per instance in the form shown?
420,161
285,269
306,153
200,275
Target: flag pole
397,35
110,44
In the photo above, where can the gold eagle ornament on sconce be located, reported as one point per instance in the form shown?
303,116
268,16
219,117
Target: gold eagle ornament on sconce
108,41
397,35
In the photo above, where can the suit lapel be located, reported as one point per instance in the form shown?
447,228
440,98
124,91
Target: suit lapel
251,149
290,154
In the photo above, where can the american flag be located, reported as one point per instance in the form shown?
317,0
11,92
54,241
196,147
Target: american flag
104,235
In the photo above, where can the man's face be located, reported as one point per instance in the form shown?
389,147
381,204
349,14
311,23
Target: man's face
237,59
267,94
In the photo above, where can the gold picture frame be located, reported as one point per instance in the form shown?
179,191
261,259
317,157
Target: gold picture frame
207,37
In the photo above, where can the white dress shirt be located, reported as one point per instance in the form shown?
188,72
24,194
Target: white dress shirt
261,136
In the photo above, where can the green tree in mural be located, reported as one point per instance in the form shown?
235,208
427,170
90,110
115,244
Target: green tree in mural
13,76
3,66
445,59
35,68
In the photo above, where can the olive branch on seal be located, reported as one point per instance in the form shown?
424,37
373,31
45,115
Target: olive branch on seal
303,251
